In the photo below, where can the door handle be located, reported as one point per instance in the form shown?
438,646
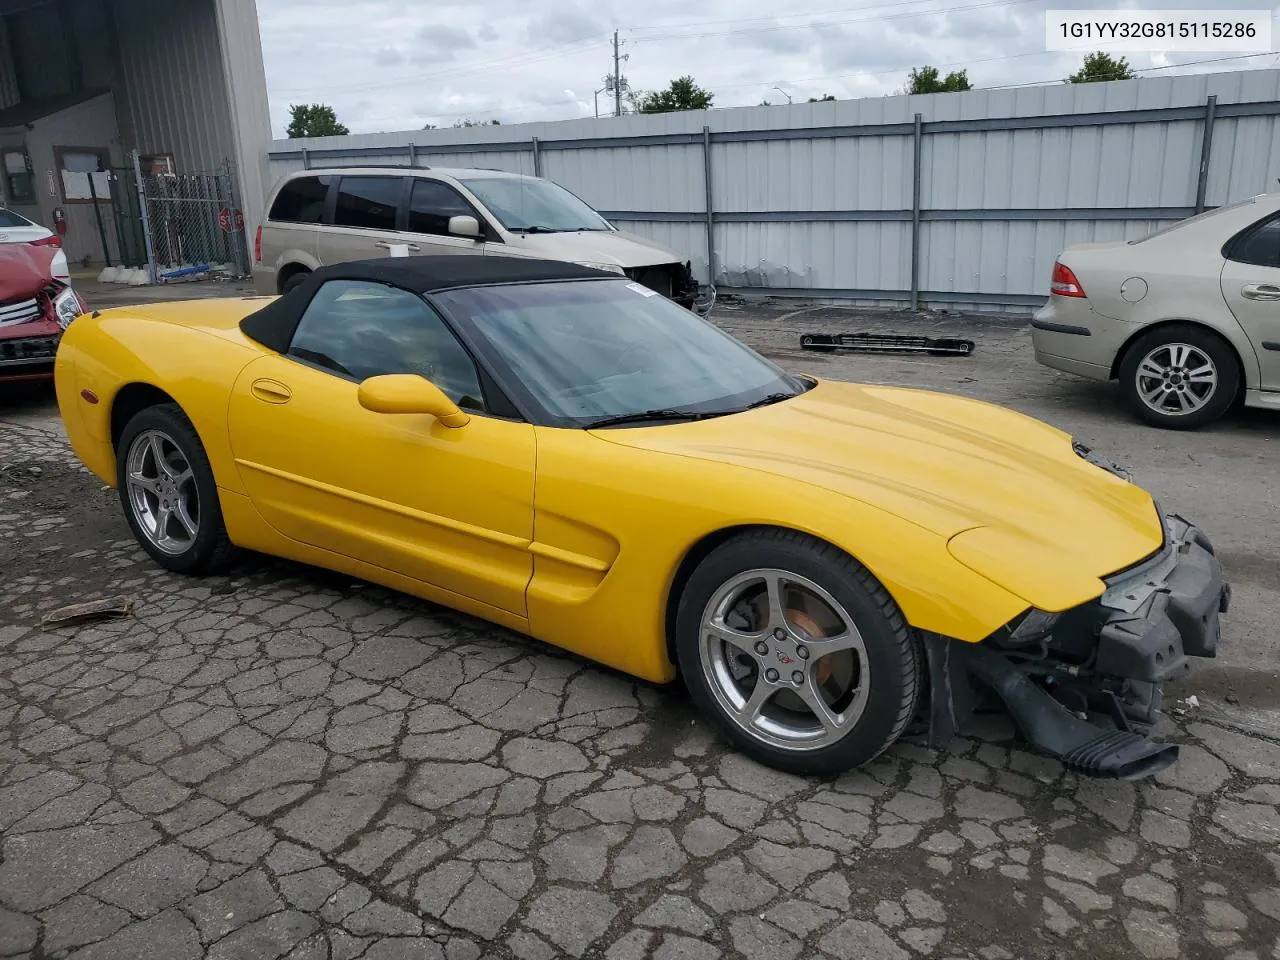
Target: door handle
271,391
387,245
1260,291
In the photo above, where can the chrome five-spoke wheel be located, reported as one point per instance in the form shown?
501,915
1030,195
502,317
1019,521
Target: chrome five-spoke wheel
168,491
784,659
162,492
797,652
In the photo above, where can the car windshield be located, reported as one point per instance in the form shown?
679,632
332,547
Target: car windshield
10,219
534,205
600,350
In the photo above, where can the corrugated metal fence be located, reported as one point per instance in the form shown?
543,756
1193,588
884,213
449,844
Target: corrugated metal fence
946,199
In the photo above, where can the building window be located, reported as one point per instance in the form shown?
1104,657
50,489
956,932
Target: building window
84,172
19,185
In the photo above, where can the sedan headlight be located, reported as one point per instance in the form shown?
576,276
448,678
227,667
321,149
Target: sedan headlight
1098,460
610,267
66,307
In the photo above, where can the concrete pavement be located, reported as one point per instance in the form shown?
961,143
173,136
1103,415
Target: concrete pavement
284,763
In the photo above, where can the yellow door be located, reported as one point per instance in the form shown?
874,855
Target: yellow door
452,507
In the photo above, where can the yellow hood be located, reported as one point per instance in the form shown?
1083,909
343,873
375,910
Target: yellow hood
946,463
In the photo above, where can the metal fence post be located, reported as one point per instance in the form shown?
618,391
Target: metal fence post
537,158
1206,148
413,154
97,215
306,159
917,139
710,206
242,264
146,217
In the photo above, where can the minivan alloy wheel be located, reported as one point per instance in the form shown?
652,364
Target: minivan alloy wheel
1175,379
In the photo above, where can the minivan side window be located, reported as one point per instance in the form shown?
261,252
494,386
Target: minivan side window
1260,245
431,205
370,202
301,200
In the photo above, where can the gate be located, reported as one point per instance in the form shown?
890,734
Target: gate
191,225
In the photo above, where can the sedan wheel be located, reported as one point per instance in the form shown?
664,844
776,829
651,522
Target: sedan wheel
796,652
1180,376
784,659
1176,378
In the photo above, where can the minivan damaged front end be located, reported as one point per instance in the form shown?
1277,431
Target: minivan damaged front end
1084,684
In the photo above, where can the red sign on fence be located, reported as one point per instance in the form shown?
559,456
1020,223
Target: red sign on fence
230,220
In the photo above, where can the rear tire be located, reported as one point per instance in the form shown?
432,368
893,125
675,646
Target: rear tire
826,687
294,281
1180,377
168,492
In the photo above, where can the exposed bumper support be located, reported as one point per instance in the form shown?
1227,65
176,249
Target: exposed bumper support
1108,658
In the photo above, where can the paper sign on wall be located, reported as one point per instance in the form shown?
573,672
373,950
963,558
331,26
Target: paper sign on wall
76,185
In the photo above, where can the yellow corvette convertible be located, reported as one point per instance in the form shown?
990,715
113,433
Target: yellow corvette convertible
564,452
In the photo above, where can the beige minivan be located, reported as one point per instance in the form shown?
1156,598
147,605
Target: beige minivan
334,215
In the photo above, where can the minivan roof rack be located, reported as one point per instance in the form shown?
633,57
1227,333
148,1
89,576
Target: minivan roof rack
370,166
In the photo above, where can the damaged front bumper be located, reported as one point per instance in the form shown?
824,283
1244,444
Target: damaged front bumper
1085,687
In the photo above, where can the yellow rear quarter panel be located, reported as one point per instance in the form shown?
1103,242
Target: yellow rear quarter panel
108,353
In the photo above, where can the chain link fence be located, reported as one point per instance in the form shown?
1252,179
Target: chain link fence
179,226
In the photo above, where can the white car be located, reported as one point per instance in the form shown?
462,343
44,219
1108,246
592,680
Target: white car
1187,319
15,228
337,215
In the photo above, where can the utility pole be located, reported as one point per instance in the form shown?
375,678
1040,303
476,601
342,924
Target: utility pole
617,78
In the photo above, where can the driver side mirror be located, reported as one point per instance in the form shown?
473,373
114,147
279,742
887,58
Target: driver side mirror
409,393
465,226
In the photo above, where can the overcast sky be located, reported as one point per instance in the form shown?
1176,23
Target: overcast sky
399,64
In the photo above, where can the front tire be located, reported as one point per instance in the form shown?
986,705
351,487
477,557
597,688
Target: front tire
168,493
1180,377
797,653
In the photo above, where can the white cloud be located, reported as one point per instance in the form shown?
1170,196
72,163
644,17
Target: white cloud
399,64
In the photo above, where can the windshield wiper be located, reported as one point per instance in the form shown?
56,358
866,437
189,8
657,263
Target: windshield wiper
644,415
771,398
536,228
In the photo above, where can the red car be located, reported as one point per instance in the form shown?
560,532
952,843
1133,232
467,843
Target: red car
35,307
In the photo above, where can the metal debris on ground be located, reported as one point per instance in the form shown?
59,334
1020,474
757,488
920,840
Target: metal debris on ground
111,608
887,343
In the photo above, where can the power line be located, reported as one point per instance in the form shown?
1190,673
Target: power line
541,54
515,60
1167,66
833,23
783,16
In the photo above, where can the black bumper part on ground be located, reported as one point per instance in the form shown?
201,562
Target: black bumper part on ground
1141,632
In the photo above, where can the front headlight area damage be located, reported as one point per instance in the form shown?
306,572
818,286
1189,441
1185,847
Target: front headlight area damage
1085,685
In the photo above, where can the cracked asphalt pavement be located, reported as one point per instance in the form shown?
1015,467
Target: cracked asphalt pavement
281,762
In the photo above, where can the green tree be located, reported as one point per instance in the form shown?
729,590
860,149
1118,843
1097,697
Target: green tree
682,94
927,80
465,122
314,120
822,99
1101,66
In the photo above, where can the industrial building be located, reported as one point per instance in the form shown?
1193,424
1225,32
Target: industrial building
86,84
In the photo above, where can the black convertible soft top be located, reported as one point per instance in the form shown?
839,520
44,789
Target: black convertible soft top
274,324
